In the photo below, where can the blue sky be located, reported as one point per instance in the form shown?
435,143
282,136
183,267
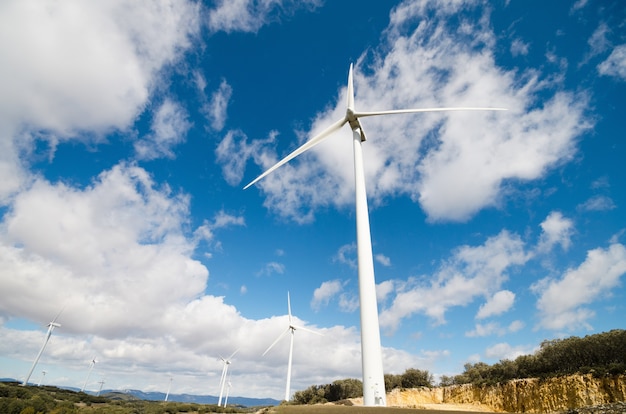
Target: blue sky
128,131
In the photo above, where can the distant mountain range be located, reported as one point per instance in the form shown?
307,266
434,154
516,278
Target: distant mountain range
160,396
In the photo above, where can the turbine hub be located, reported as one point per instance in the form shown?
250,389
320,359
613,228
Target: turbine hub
352,119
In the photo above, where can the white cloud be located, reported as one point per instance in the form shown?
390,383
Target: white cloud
494,328
382,259
384,289
615,64
499,303
96,248
216,109
484,330
599,42
251,15
556,229
347,255
323,294
470,273
348,303
518,47
272,268
516,326
169,128
598,203
72,67
562,301
453,164
503,351
233,152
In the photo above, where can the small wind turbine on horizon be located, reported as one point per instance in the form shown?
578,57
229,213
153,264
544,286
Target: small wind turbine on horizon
290,329
227,362
371,350
101,382
227,391
169,387
43,374
51,327
91,365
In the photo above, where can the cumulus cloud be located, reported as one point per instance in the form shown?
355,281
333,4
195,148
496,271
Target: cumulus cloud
562,301
471,272
556,229
68,78
169,128
96,248
452,164
499,303
323,294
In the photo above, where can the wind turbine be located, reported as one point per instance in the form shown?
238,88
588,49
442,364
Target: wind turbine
43,374
227,392
51,327
227,362
169,387
91,365
371,350
290,329
101,382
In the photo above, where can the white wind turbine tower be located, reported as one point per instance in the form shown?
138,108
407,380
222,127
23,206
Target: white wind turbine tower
91,365
51,327
371,351
227,362
290,329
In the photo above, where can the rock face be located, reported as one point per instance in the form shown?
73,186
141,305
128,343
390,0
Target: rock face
521,396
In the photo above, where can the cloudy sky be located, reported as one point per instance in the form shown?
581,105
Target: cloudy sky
129,129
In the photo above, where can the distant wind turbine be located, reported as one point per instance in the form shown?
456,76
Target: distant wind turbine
91,365
51,327
100,389
227,392
290,329
227,362
371,350
43,374
169,387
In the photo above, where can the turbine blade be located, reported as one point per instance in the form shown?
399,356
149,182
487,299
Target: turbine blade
304,147
289,307
233,354
350,90
307,329
54,321
276,341
410,111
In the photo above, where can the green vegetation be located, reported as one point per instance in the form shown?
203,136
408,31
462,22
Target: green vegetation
353,388
16,399
600,354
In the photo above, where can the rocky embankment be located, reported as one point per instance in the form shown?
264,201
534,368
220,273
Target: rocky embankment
573,394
